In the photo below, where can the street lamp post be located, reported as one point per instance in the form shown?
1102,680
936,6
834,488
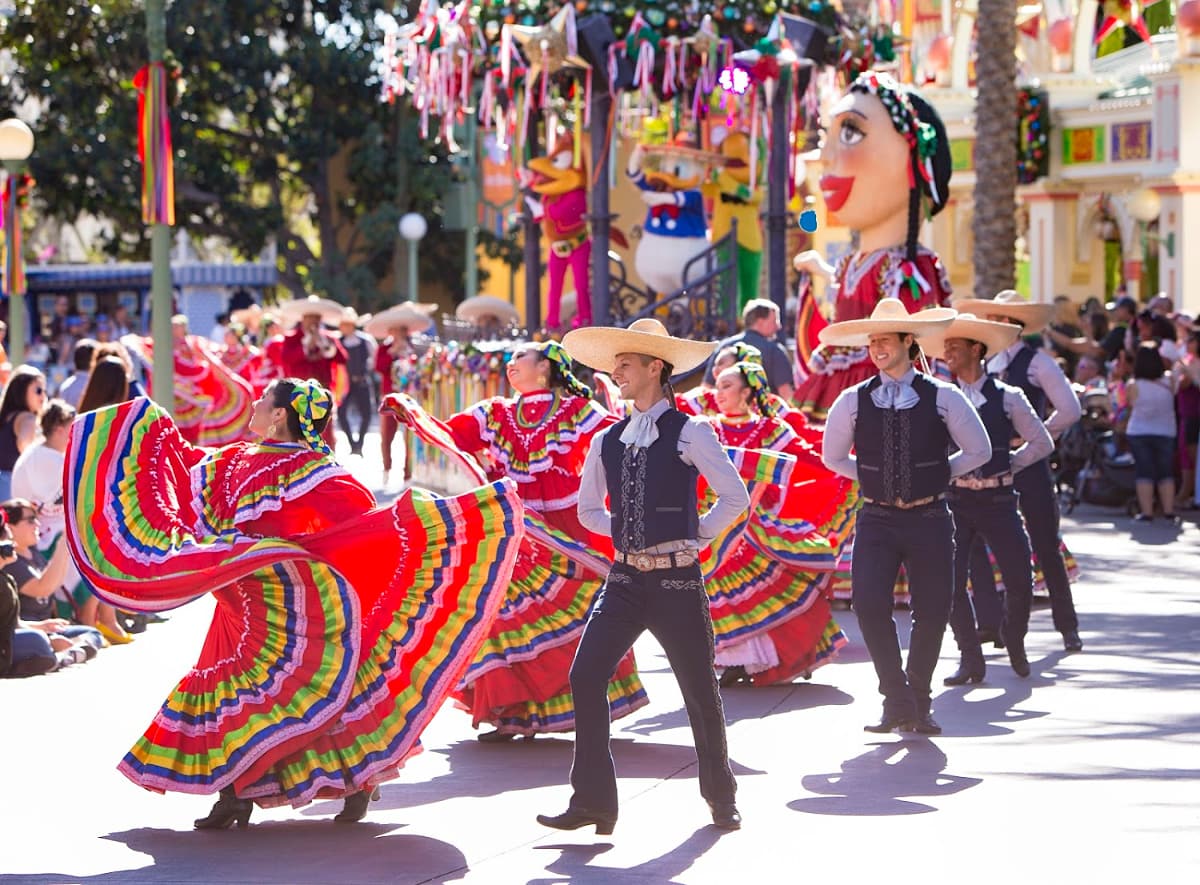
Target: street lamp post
413,227
16,144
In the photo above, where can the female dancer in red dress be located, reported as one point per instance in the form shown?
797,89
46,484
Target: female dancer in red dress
773,584
243,358
338,629
887,162
519,682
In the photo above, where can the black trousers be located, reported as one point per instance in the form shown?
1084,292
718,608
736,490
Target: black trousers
990,515
1039,506
359,397
672,605
921,540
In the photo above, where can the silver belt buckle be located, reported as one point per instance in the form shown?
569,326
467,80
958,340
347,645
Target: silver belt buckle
643,562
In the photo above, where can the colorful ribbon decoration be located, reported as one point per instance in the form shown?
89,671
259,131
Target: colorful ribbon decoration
312,402
154,145
14,267
557,355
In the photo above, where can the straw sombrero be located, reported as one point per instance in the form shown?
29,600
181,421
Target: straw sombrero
410,314
684,144
995,336
249,317
888,316
477,307
290,312
598,346
350,315
1034,317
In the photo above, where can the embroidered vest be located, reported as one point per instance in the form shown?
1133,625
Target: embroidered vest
1017,374
903,454
651,492
999,429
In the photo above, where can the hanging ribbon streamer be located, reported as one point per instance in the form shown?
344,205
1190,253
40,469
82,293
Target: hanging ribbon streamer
14,267
154,146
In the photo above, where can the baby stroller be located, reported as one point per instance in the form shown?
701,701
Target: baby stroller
1090,468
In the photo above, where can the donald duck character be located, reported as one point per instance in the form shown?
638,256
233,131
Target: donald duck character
733,196
562,185
675,230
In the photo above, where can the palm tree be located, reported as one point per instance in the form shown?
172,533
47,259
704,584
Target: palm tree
994,226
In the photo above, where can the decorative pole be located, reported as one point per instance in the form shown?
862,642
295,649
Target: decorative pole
533,243
601,216
16,144
778,175
158,198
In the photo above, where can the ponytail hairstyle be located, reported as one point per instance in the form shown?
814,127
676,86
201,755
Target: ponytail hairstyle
755,378
308,406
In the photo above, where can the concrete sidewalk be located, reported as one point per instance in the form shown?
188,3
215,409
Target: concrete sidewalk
1034,780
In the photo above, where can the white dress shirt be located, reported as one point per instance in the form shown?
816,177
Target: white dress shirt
1037,443
699,447
961,420
1044,373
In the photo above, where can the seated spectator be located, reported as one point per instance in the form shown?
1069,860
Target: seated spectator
81,355
38,477
19,409
30,648
107,386
41,642
121,352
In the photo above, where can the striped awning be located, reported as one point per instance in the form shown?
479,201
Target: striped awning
136,275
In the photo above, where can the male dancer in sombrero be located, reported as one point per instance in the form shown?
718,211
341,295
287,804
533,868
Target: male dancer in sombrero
902,424
647,465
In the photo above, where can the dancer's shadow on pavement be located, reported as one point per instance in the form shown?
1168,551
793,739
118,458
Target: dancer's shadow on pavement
295,852
574,864
875,783
479,770
748,702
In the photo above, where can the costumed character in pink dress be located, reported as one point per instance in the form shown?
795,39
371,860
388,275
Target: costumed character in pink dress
887,166
519,681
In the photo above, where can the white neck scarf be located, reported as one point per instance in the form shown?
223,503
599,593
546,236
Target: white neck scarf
641,431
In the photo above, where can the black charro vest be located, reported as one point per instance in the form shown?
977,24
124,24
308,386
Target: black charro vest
903,454
1017,374
651,492
999,430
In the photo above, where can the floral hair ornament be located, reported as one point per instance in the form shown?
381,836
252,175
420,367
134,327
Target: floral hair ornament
921,137
312,402
559,358
746,353
755,377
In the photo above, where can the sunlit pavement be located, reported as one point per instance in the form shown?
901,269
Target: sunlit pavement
1033,780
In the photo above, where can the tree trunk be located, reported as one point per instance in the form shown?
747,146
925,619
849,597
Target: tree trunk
994,226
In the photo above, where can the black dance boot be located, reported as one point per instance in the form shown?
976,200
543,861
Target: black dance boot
574,819
229,808
967,672
354,808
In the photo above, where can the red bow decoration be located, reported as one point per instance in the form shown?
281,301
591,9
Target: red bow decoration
670,211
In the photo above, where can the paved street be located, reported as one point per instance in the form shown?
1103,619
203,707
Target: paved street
1034,780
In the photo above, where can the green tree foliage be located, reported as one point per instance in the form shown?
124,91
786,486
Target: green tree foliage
270,100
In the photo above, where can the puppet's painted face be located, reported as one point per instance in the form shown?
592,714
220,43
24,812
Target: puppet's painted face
866,162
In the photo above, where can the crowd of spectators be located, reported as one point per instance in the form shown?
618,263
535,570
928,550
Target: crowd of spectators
1144,361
